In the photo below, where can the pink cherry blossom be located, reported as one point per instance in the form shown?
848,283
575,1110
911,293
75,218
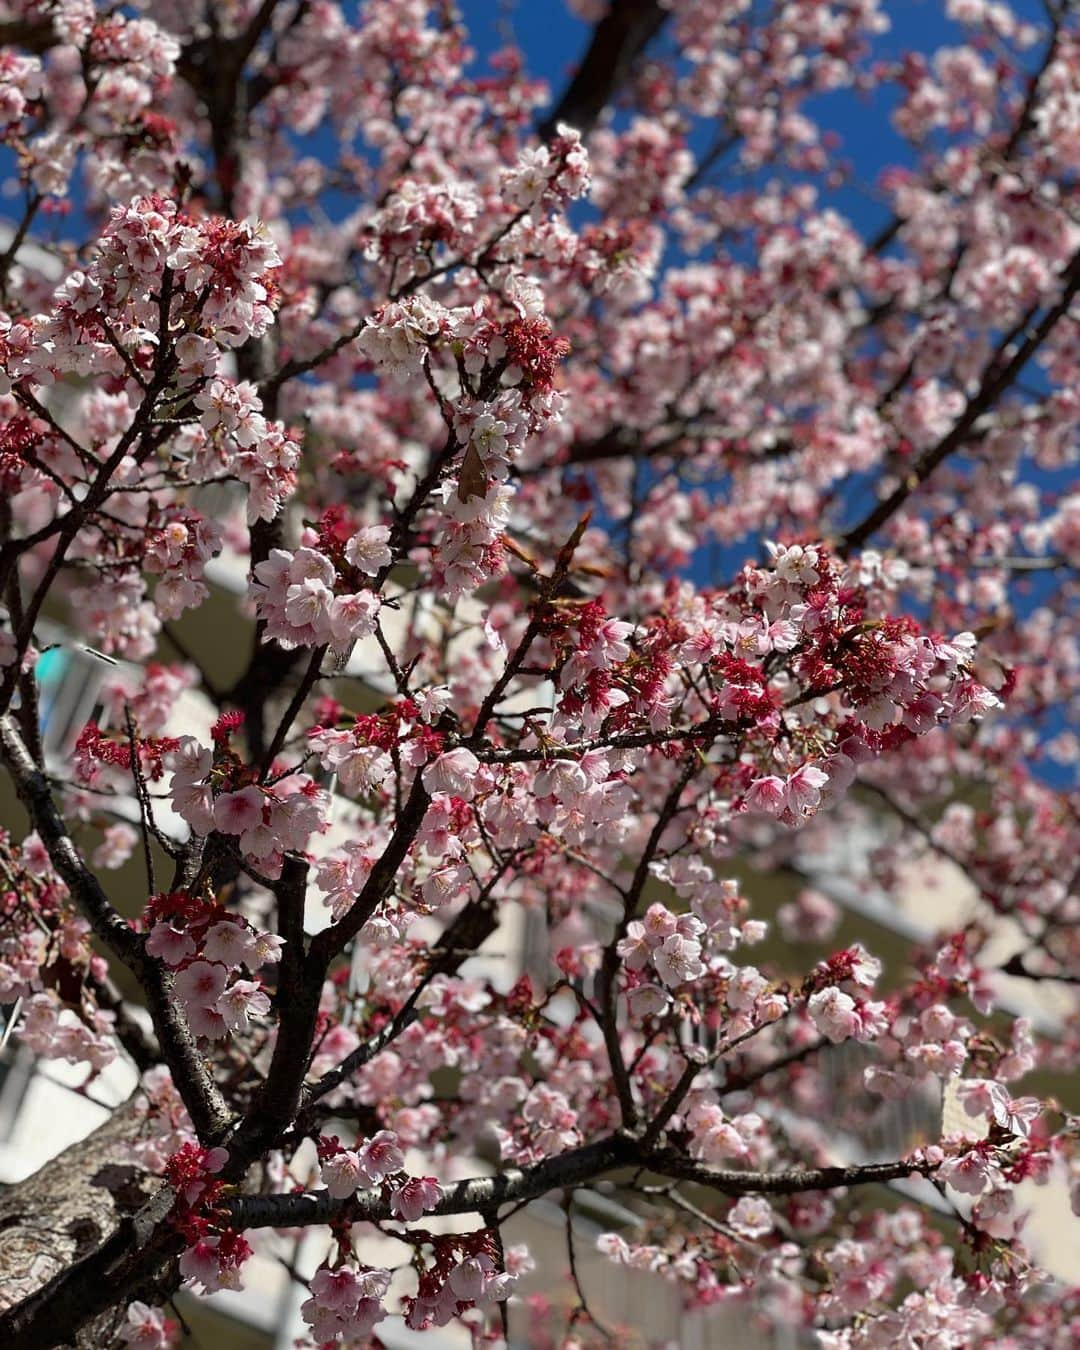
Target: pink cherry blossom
381,1156
415,1198
343,1174
768,795
336,1290
509,543
241,1001
170,944
368,549
469,1278
971,1173
231,944
454,772
147,1328
834,1014
201,1266
678,959
751,1216
803,791
116,847
200,983
237,812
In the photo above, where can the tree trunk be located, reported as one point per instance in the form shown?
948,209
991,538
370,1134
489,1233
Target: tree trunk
67,1210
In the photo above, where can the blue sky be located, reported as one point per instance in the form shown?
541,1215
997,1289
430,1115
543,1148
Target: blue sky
554,40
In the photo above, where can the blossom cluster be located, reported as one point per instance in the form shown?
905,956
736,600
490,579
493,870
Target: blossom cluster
206,947
368,1166
48,968
216,1252
642,562
213,791
297,600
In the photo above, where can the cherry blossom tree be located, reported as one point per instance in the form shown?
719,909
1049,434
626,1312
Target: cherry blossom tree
622,526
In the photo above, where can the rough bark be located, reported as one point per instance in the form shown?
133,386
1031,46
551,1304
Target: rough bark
65,1211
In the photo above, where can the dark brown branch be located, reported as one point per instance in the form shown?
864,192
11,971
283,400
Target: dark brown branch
142,1244
194,1082
48,1220
1015,966
169,633
549,589
297,1011
739,1082
311,676
483,1194
33,202
108,925
1026,120
617,41
140,433
290,892
606,976
793,1182
582,1310
139,1043
472,927
998,376
36,35
282,1094
327,944
132,1255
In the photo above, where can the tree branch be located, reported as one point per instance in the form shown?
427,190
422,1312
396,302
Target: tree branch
205,1104
792,1182
327,944
617,41
479,1194
997,377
